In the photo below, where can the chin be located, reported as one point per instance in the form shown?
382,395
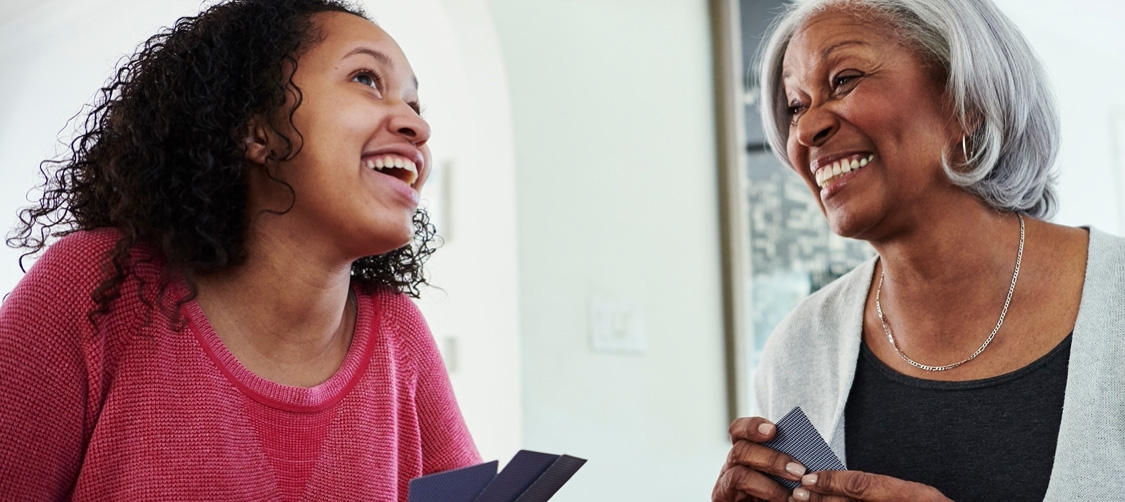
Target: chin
848,225
384,240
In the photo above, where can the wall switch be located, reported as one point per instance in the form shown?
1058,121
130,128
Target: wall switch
617,326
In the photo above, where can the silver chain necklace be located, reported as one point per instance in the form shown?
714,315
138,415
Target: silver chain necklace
1007,301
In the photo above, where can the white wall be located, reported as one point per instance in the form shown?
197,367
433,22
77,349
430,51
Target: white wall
54,54
453,48
1082,44
617,197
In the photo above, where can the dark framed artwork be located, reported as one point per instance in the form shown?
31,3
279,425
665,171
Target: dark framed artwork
777,247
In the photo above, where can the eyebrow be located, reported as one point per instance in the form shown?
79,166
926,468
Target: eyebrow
379,56
828,51
824,54
382,58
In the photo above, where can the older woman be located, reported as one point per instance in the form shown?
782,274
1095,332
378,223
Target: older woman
978,355
225,315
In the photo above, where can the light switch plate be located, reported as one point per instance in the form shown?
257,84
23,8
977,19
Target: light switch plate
617,326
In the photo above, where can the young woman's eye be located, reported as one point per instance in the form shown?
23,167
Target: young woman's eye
368,78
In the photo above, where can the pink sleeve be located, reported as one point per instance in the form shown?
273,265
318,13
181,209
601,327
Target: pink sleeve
43,398
446,441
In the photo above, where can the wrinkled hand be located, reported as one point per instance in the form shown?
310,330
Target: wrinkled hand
744,475
845,486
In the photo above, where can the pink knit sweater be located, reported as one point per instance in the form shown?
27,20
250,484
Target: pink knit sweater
138,409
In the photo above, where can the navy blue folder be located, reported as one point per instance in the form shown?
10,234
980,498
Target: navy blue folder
529,477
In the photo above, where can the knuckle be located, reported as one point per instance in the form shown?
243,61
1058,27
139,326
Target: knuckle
724,488
775,459
736,427
740,484
859,484
743,453
744,428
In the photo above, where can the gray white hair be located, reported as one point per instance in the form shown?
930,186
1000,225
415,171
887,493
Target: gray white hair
999,89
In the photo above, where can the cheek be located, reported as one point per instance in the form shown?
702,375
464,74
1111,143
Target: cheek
798,157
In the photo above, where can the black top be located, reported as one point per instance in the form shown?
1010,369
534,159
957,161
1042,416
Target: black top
978,440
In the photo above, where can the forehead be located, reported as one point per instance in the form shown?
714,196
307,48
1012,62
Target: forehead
835,29
342,33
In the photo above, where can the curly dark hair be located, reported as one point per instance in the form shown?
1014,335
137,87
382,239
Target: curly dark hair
160,156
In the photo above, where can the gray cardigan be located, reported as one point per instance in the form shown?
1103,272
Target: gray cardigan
810,362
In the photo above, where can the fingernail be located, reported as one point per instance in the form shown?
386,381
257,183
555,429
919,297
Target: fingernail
765,428
801,494
809,480
795,469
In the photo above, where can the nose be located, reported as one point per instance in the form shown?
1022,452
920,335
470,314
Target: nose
815,126
406,122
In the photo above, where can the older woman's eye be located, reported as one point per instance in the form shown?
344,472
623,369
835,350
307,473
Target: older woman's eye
794,111
843,82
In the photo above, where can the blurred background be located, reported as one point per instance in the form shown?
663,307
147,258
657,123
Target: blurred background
580,307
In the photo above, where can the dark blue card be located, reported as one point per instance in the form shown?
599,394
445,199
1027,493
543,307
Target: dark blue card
517,476
797,437
529,477
557,475
459,485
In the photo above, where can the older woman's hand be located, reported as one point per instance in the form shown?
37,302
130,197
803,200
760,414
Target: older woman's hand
744,475
845,486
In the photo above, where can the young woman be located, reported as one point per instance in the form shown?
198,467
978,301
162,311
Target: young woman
225,315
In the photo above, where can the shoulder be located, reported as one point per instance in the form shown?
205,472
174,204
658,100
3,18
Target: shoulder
66,273
813,346
84,257
79,256
398,320
1105,266
1103,292
1106,245
57,291
399,310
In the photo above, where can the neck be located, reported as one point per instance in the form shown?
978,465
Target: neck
944,252
945,280
284,313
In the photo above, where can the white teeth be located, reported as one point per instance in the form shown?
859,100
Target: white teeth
827,174
394,162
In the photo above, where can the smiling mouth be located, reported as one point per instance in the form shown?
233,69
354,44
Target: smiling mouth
394,166
828,174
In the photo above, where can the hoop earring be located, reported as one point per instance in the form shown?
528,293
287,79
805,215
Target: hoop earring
964,150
